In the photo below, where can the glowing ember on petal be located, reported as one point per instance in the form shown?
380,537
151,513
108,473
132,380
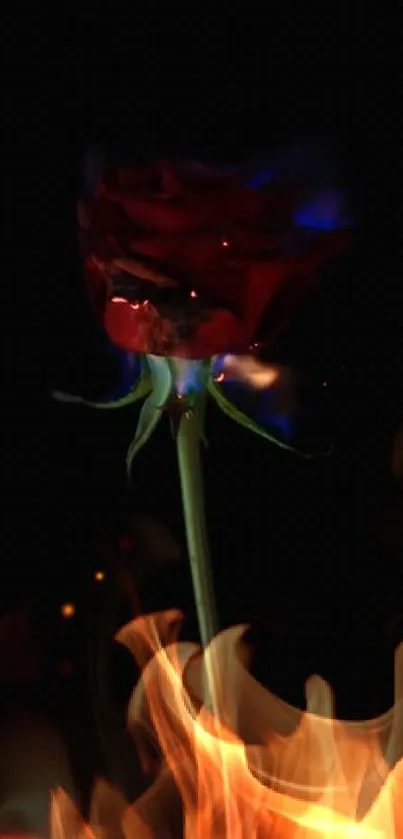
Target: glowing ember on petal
193,293
132,305
247,368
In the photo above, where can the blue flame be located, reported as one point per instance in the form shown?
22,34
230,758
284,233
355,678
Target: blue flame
259,405
268,415
314,164
188,375
326,211
129,367
262,178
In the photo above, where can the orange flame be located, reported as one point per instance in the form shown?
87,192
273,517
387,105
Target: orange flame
251,371
246,764
236,762
105,818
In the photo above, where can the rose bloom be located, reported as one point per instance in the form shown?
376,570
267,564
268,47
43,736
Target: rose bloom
185,260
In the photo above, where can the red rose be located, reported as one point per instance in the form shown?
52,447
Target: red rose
185,260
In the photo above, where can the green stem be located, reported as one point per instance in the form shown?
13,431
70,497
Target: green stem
190,470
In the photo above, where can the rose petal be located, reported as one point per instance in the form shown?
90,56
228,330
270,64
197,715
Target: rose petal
196,209
202,232
195,248
158,180
220,334
140,329
265,280
138,269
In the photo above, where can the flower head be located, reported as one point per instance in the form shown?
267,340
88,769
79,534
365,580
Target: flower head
186,260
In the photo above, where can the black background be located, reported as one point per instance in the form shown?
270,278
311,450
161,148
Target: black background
298,547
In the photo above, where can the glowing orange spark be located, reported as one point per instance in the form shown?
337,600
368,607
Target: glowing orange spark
68,610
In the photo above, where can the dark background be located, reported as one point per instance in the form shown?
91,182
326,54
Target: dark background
307,551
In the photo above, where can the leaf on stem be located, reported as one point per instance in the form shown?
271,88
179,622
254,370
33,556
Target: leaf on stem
151,412
139,391
234,413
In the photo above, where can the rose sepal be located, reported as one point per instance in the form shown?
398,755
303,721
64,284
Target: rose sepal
242,419
153,408
139,391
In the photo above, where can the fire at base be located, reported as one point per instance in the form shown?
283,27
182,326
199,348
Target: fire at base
236,761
